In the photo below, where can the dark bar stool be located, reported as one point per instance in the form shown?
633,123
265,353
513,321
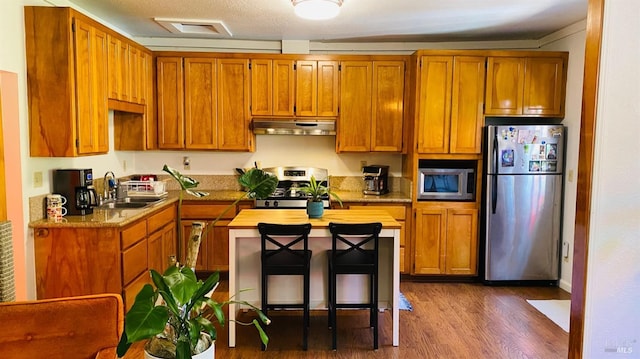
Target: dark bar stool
279,258
349,256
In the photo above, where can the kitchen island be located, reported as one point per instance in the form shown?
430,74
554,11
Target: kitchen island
244,261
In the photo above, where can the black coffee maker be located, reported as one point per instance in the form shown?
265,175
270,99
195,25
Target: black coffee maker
76,185
376,179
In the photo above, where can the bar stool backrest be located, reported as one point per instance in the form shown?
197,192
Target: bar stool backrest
278,239
355,240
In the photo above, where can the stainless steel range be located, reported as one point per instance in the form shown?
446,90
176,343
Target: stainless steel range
290,179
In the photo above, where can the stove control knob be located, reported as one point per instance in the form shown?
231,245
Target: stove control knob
266,204
275,204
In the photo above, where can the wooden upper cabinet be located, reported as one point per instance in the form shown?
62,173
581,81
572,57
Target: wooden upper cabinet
170,92
467,102
200,103
544,86
505,84
354,126
451,93
434,108
67,81
91,82
529,86
114,66
233,105
388,106
261,87
317,88
125,72
272,87
134,73
206,97
307,88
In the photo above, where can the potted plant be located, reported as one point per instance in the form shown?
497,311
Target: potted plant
315,190
171,316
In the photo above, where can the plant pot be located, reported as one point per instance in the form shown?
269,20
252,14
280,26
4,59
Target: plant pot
315,209
210,353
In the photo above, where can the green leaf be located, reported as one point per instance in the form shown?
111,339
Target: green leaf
205,287
123,345
182,283
164,290
183,350
259,184
263,336
184,181
144,319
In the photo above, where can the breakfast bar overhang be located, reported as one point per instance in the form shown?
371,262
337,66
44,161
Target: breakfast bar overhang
244,258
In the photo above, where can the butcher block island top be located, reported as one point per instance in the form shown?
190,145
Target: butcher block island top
249,218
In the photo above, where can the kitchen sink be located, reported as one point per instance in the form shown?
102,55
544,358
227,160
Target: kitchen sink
130,203
116,205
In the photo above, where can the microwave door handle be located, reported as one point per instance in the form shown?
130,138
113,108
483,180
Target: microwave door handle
494,177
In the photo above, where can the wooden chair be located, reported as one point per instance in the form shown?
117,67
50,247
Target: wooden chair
71,328
279,258
354,250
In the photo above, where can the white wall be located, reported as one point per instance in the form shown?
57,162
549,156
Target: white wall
574,42
612,312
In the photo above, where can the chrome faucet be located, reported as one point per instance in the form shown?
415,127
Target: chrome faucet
110,186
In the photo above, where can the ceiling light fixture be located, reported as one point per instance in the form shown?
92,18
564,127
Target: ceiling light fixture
317,9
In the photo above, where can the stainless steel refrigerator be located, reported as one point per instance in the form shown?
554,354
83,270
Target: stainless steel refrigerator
523,203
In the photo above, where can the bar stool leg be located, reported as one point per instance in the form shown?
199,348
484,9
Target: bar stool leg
265,309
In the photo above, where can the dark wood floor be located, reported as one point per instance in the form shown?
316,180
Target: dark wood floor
449,320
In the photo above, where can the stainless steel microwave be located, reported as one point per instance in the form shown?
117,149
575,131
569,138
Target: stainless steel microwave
447,180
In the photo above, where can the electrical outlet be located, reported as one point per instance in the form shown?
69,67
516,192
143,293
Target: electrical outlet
186,162
570,175
363,163
37,179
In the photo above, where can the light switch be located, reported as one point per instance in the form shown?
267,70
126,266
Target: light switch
37,179
570,176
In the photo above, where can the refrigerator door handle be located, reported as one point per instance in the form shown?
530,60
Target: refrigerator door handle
494,178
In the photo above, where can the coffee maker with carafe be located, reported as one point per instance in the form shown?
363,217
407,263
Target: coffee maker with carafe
376,179
77,186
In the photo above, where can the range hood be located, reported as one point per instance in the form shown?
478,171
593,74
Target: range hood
294,126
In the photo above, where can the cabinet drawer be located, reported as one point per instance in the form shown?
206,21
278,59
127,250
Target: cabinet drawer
207,211
133,234
134,261
130,291
397,212
160,219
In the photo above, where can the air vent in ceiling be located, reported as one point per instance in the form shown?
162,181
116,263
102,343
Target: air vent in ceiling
212,28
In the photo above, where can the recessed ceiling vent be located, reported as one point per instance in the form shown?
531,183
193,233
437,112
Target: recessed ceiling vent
212,28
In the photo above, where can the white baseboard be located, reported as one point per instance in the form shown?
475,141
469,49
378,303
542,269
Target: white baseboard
565,285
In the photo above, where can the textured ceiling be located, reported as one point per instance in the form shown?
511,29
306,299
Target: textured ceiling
359,20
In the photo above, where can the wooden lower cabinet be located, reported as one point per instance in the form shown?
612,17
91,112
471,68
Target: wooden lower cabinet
214,248
446,241
399,213
73,261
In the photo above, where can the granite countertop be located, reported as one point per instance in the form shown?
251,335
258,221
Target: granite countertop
102,217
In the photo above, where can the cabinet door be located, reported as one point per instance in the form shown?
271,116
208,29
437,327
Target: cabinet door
388,106
91,89
505,84
141,79
434,109
544,84
261,87
113,67
327,98
124,74
429,241
134,73
200,103
162,245
306,88
170,103
283,87
466,104
218,247
233,105
462,241
354,126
